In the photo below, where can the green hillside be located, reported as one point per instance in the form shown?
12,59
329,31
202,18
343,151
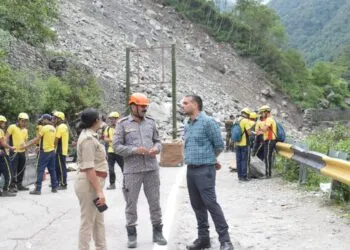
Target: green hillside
320,29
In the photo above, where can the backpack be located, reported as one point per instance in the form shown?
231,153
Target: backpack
281,134
236,134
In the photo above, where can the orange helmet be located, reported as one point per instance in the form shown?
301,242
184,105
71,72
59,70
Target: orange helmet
138,99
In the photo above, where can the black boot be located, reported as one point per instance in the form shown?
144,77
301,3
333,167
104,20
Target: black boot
226,246
200,243
6,193
158,235
132,236
20,187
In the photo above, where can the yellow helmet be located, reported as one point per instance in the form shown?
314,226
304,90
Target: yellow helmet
23,116
60,115
113,115
246,111
253,115
264,108
3,118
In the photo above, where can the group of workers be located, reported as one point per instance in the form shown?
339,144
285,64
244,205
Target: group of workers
52,139
52,136
259,137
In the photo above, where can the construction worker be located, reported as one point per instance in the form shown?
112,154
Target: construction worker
269,130
5,169
46,158
17,134
137,140
258,145
112,157
61,145
242,147
228,128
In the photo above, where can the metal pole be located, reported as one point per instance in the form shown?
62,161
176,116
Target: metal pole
173,70
127,80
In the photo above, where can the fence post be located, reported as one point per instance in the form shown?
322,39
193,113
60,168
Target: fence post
336,184
127,80
302,167
173,83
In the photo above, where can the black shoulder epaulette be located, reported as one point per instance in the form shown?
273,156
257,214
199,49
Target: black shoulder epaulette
149,117
123,119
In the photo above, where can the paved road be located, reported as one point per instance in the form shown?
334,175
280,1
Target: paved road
51,221
262,214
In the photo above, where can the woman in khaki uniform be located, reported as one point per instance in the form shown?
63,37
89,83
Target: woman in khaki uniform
93,168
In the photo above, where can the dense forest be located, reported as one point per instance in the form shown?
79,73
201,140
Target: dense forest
320,29
256,31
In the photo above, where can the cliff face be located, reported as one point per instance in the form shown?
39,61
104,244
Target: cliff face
98,33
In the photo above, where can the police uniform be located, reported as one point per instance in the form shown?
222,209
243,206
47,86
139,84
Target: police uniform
112,156
17,137
91,154
139,169
46,157
62,135
5,169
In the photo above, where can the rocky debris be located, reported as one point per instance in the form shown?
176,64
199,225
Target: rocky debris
214,71
324,104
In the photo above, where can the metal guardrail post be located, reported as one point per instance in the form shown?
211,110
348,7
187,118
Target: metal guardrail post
127,79
336,184
173,83
302,167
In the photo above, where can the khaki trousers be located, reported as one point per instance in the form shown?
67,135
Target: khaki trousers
91,220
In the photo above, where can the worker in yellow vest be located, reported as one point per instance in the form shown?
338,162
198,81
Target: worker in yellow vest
61,145
5,169
17,134
112,156
47,156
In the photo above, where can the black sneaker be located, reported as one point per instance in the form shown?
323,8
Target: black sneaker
62,188
54,190
35,192
199,244
110,187
22,188
6,193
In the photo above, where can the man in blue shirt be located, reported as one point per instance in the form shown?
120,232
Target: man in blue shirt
203,144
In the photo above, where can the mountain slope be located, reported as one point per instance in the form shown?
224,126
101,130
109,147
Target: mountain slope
319,28
98,33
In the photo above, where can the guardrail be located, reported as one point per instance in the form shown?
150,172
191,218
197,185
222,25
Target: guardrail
334,168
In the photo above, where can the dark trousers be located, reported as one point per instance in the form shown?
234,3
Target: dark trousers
201,188
61,169
18,167
269,147
5,170
112,159
242,161
46,160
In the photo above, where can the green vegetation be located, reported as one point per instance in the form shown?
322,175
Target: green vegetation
29,20
318,28
34,92
255,31
338,138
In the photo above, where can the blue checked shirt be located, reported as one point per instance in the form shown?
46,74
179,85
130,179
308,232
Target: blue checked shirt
203,141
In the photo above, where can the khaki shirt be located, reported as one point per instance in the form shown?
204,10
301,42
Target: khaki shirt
130,135
91,153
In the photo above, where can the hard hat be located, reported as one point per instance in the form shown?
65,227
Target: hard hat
45,116
138,99
113,115
24,116
59,115
246,110
3,118
264,108
253,115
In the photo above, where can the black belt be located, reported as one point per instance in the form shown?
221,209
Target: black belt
199,166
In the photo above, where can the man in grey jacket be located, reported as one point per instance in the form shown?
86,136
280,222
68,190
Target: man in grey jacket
136,139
